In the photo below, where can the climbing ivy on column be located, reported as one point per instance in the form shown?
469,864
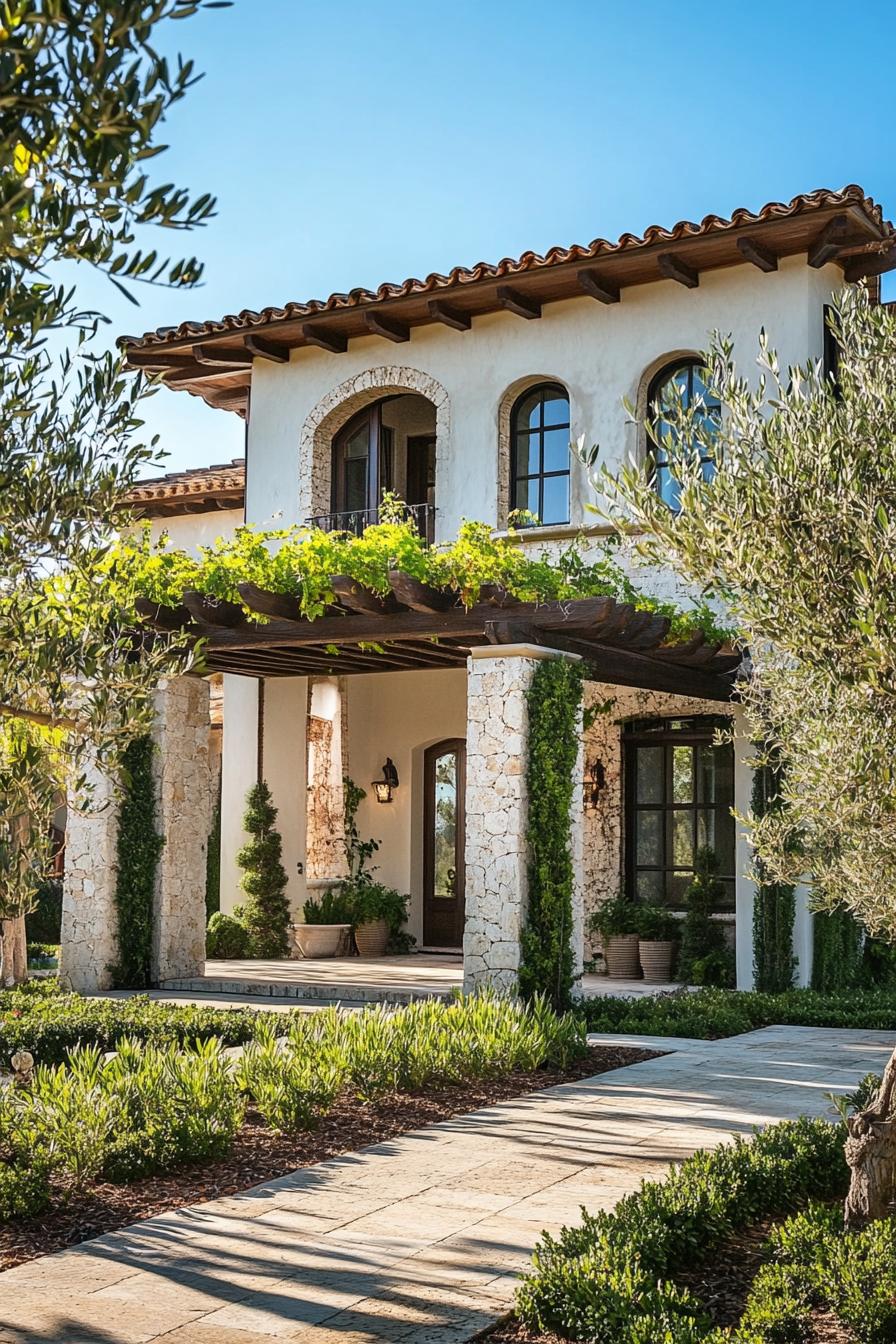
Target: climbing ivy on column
138,848
554,698
774,908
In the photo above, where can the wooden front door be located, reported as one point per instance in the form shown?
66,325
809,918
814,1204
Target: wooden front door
444,771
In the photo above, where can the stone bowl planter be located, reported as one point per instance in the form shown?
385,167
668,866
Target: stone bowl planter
621,956
315,941
656,959
372,938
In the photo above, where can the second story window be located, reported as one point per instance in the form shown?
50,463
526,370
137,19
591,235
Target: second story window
680,383
539,453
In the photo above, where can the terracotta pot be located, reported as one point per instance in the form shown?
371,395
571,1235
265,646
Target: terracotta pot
320,940
621,956
656,960
372,938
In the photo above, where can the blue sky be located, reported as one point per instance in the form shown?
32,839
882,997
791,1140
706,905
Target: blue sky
350,143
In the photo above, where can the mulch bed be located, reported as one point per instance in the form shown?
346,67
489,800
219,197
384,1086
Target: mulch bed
722,1284
259,1154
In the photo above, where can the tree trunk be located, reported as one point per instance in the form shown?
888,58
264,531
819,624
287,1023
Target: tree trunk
14,966
871,1154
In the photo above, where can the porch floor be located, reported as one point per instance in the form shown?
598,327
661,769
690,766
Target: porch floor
419,975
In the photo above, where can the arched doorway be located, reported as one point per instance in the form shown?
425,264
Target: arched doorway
444,782
388,447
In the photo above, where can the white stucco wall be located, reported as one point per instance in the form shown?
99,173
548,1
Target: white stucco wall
600,352
239,771
188,531
400,714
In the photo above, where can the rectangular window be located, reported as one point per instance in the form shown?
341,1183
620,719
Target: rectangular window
679,792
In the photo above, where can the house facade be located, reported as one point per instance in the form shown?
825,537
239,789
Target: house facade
461,395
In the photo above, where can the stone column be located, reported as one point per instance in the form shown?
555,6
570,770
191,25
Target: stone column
497,815
184,806
89,915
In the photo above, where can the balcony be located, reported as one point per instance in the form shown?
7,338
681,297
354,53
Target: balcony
423,516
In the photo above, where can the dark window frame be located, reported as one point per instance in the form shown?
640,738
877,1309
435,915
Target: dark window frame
694,732
664,375
516,476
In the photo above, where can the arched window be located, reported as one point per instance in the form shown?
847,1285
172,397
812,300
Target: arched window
539,453
680,383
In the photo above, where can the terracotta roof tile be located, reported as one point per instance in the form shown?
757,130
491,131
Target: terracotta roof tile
224,482
529,261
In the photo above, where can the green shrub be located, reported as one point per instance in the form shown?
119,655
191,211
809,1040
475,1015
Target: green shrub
711,1013
294,1079
264,878
614,919
704,958
25,1163
332,906
138,848
369,901
43,924
40,1018
654,924
578,1278
147,1109
226,938
213,861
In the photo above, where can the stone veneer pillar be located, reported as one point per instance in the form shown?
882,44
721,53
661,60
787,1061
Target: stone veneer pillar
184,808
497,816
89,938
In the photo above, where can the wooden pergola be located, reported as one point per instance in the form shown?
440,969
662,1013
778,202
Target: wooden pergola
417,626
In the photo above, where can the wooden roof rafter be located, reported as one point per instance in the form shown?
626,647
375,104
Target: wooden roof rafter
417,626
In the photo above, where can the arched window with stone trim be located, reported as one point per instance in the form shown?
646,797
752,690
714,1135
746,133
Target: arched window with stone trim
682,382
539,454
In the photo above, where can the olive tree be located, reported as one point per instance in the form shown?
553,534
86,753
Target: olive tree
796,534
83,93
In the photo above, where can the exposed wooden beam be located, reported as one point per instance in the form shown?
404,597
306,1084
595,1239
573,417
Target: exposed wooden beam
158,359
759,256
215,356
214,611
278,605
180,375
325,338
866,264
161,617
514,302
598,286
672,267
378,325
833,237
504,630
451,316
355,597
497,595
624,667
265,349
420,596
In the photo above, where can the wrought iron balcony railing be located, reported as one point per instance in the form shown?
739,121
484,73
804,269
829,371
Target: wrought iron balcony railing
423,516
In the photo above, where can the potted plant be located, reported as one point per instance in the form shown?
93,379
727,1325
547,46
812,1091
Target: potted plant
658,931
615,923
327,925
378,912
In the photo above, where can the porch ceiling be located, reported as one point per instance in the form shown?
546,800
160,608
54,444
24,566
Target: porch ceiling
419,627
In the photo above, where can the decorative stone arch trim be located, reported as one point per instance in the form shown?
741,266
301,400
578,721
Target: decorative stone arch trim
505,406
641,408
341,403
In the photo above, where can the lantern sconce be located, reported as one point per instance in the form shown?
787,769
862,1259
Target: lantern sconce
594,784
383,788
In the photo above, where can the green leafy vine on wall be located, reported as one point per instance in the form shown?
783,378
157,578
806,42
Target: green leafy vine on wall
774,908
547,957
138,848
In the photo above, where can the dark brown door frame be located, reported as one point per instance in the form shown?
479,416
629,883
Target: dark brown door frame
373,415
430,906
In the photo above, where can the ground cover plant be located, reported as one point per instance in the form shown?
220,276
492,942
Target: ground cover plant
96,1143
626,1276
712,1013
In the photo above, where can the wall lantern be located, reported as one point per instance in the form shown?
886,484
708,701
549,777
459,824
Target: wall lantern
383,787
595,782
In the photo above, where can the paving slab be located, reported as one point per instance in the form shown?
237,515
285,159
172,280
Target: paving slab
419,1240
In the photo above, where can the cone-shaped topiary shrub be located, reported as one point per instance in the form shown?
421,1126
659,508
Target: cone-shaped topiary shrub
704,957
266,911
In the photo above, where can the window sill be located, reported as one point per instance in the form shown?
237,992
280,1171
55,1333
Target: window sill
555,532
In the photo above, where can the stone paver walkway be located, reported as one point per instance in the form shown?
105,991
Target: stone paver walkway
418,1240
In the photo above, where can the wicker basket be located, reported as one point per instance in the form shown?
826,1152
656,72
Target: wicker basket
372,938
621,956
656,960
